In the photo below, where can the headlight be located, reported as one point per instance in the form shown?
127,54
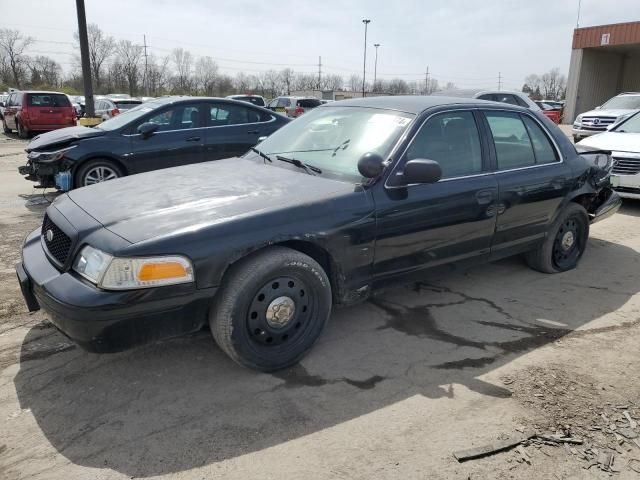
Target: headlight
115,273
578,120
48,157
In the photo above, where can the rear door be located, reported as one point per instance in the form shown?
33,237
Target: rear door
49,109
10,111
179,139
421,226
532,180
233,129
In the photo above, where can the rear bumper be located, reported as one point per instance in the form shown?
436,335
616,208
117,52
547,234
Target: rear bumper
107,321
610,206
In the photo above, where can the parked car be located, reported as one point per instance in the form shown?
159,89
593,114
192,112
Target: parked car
146,99
623,140
107,108
253,99
501,96
597,120
161,133
76,106
35,111
80,100
3,102
119,96
346,198
293,106
551,111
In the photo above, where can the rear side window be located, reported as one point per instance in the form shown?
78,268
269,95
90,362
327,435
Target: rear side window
309,103
511,139
229,114
488,96
283,102
47,100
542,147
506,98
453,141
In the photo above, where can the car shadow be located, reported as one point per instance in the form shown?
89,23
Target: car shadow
181,403
39,201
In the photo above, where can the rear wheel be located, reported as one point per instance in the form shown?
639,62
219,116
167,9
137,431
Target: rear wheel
271,309
565,243
22,132
97,171
5,128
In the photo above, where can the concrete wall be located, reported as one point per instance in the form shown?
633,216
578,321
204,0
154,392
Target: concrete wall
631,73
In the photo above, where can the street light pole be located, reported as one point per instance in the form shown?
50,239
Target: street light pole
84,58
366,22
375,68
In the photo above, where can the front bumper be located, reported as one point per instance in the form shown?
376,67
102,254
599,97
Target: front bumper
627,186
580,132
108,321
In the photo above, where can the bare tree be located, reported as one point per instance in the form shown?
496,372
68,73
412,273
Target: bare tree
206,75
13,44
129,56
101,47
332,82
355,83
158,75
45,72
287,78
553,84
183,61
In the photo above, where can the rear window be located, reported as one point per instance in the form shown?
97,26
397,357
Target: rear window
254,100
127,104
309,103
47,100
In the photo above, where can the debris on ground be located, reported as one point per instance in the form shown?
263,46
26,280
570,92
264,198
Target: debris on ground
588,421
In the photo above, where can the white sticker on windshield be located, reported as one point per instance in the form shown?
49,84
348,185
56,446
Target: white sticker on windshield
390,120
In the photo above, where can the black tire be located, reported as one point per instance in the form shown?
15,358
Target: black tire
239,315
88,171
22,132
565,243
5,128
576,139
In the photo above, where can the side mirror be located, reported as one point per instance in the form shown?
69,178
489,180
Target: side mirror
371,165
421,171
147,129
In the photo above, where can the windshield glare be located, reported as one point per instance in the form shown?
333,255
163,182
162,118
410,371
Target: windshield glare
632,125
127,116
335,138
628,102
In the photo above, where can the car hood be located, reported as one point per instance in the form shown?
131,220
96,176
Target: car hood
185,199
603,112
614,141
62,136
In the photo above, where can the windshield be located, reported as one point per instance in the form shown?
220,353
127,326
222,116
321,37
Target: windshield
127,116
333,139
632,125
627,102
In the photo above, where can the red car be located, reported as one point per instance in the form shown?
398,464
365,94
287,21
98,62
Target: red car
555,114
31,111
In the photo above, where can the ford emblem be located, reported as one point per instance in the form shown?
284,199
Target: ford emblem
49,235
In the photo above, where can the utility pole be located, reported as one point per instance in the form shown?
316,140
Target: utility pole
499,80
319,72
375,68
578,19
366,22
146,74
426,81
84,59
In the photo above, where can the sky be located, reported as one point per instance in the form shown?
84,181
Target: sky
469,43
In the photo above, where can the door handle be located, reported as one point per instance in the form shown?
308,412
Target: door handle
484,196
253,132
193,139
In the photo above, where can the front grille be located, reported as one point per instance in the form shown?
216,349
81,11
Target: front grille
635,191
596,123
626,166
60,244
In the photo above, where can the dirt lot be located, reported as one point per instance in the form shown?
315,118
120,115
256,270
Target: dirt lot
393,388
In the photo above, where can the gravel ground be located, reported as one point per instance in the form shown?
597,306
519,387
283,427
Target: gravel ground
394,387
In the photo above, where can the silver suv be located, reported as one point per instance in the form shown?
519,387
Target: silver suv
107,108
601,118
293,106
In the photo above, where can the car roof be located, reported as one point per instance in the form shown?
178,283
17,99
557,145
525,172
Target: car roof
406,103
39,91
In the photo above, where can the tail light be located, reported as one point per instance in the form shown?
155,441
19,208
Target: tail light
115,112
25,112
299,110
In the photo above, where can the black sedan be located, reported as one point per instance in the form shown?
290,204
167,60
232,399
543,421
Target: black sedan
348,197
161,133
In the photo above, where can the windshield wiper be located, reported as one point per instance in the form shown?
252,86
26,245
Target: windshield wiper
262,154
310,169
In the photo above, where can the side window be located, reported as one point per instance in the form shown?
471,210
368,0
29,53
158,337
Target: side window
513,147
229,114
273,103
11,100
521,102
506,98
542,147
284,102
256,116
453,141
178,117
488,96
190,117
18,99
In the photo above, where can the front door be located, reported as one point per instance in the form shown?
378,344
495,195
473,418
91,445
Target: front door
420,226
179,139
532,180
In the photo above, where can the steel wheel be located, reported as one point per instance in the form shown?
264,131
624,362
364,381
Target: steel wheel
569,242
279,311
99,174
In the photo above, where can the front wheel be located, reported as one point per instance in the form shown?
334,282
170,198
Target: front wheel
97,171
565,243
271,309
5,128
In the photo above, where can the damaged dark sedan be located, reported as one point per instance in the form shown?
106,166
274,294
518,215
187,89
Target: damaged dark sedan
349,197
